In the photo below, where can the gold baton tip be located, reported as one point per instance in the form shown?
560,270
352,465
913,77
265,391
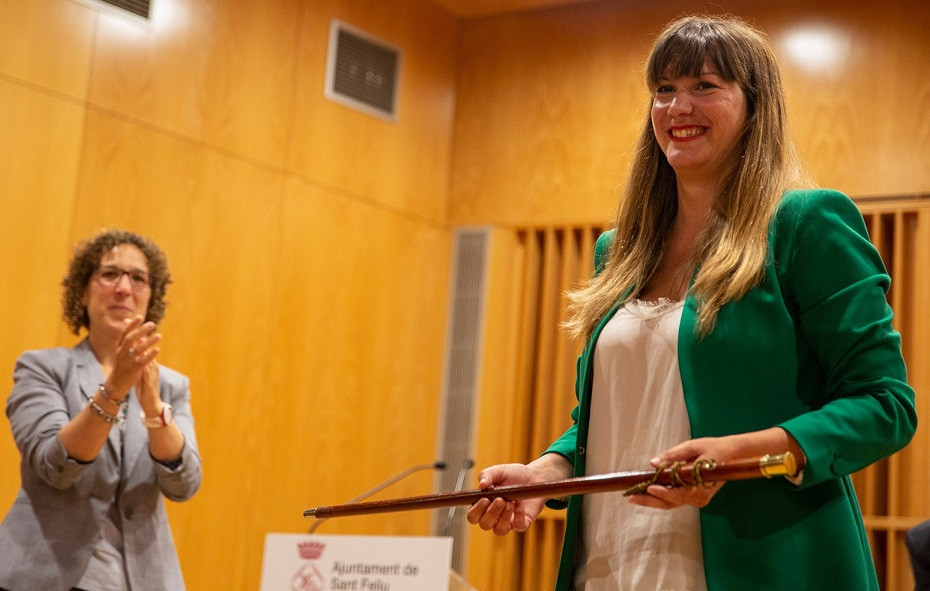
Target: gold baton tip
778,465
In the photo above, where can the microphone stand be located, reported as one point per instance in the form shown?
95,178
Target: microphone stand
459,483
434,466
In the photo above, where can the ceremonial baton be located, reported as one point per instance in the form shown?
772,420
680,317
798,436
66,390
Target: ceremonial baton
700,473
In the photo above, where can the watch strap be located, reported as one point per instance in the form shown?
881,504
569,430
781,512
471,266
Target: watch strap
158,420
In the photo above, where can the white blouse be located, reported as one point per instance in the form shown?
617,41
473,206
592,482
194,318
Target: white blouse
637,410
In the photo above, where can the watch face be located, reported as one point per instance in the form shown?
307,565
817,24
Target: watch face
167,414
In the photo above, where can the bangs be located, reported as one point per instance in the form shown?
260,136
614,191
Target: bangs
683,50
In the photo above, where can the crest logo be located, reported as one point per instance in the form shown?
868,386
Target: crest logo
307,578
310,550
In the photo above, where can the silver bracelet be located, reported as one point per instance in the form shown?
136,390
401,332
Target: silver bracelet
118,419
103,392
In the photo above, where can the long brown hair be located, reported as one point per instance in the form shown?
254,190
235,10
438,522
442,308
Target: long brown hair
731,251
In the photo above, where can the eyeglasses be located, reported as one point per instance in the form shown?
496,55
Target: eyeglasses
110,275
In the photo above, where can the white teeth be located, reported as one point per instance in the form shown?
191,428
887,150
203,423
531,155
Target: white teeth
690,132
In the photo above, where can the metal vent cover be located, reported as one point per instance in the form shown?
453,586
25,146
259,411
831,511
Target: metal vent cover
362,71
137,7
461,376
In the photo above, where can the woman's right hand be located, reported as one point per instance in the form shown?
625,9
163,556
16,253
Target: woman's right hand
503,516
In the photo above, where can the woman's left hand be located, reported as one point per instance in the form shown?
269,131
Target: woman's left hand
661,497
721,449
136,350
148,392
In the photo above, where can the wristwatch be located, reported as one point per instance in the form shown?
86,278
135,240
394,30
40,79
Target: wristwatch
162,419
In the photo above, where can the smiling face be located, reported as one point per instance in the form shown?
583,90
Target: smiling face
108,303
697,121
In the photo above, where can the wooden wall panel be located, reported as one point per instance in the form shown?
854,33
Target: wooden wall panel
309,305
894,492
219,71
918,501
888,46
473,8
550,103
547,105
490,559
352,151
527,386
35,200
354,336
47,43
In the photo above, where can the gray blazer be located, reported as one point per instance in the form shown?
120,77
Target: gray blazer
48,535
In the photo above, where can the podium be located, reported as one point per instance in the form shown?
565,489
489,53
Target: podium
310,562
458,583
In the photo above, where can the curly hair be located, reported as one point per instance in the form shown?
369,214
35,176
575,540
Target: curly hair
86,260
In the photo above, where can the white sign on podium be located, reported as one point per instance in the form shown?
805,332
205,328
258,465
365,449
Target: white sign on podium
297,562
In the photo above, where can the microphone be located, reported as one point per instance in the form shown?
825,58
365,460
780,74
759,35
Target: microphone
384,485
459,483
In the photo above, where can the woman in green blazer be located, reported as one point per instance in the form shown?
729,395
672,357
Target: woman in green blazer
785,339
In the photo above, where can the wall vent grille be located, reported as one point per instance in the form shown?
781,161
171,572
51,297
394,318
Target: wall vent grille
361,71
137,7
461,372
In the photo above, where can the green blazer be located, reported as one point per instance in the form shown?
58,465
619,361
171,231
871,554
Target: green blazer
810,349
